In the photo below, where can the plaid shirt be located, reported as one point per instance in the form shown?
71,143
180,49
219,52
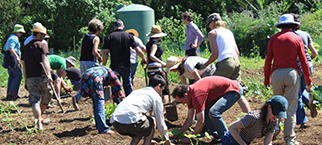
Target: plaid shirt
94,79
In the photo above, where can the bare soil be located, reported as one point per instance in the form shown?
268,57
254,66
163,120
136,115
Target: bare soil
74,127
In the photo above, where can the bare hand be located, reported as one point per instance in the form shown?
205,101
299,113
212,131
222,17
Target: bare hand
200,66
100,59
309,87
99,51
68,89
193,46
267,87
18,60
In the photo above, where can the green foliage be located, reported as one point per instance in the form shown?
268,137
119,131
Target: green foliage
109,110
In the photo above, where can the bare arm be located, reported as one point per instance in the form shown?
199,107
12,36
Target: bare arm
13,52
196,75
140,53
96,52
24,72
201,122
152,53
212,35
183,80
189,120
105,56
233,129
268,138
237,51
47,66
243,104
313,50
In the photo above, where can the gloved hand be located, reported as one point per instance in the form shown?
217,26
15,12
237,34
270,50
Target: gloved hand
200,66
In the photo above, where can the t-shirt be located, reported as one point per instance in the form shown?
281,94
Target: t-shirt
56,62
209,90
13,41
73,73
254,126
189,66
32,56
134,55
118,43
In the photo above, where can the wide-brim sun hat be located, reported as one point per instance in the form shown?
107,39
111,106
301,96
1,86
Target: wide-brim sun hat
18,28
156,32
71,60
133,31
40,29
279,104
287,19
172,63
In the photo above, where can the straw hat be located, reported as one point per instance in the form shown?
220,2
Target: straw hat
19,28
40,29
156,32
287,19
136,34
172,63
71,60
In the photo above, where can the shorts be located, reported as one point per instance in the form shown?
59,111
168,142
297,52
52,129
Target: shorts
140,128
54,76
39,91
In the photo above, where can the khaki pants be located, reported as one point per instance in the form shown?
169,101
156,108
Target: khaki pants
285,82
229,68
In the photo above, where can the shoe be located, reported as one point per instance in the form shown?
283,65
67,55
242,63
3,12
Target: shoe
45,120
109,132
215,141
75,103
312,106
303,126
277,131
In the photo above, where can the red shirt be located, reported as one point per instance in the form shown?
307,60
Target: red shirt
209,90
285,47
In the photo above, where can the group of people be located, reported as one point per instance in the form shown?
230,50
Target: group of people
212,90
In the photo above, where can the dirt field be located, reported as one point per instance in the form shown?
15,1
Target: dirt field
74,127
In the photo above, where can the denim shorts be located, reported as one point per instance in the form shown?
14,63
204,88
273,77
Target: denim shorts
39,91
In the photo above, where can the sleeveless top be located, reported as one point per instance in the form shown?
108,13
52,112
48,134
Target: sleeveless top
87,48
158,53
226,44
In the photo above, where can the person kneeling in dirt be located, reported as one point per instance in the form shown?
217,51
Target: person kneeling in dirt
32,55
257,123
94,79
129,117
208,98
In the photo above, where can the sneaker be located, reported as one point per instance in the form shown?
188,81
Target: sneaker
75,103
45,120
109,132
312,106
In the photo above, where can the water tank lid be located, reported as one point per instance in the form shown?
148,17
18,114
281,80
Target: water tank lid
135,7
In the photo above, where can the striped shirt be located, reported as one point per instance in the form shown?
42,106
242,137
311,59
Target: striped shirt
254,126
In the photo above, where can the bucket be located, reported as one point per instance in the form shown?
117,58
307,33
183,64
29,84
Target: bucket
171,112
107,93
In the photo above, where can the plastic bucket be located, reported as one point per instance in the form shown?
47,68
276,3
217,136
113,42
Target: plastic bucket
171,113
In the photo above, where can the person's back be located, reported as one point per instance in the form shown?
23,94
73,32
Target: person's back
57,62
87,48
226,43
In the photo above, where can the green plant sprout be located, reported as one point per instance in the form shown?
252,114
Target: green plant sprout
192,136
109,110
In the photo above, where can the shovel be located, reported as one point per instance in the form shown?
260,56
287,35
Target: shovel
145,75
171,111
52,87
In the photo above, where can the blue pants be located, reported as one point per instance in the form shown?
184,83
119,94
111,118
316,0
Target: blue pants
84,65
14,80
228,139
214,121
126,78
192,52
133,70
99,114
303,98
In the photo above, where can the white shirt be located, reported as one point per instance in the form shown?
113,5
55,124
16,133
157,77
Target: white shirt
189,66
134,55
226,43
134,107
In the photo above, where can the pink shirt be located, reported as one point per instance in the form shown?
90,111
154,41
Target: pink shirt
209,90
284,47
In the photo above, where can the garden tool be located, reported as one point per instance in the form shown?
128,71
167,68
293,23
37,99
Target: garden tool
171,111
52,87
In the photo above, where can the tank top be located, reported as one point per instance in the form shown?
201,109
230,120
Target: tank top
87,48
226,44
158,53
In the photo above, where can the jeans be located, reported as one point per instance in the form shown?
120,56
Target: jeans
228,139
14,80
99,114
213,112
125,74
133,70
192,52
303,98
84,65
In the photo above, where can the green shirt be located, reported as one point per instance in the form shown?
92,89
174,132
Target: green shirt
57,62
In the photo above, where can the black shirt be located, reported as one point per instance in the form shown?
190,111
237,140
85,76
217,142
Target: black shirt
157,54
118,43
73,74
87,48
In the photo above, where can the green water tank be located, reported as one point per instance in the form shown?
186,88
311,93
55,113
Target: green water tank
138,17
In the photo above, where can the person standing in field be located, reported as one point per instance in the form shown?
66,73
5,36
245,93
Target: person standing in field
90,54
12,61
285,47
301,118
32,55
193,34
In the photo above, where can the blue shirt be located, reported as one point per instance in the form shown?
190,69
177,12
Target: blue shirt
13,41
193,34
